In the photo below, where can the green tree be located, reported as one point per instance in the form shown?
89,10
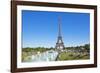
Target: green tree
87,47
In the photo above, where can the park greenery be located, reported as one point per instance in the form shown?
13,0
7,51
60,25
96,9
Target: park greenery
75,53
69,53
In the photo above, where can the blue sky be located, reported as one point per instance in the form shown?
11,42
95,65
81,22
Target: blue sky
40,28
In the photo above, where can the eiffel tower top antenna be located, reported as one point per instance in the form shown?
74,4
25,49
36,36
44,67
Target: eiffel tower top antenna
59,25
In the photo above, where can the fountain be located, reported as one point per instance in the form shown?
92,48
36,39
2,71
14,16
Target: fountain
50,55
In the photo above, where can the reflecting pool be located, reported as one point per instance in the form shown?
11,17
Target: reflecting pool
50,55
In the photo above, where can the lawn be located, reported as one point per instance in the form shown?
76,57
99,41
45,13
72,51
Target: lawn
72,56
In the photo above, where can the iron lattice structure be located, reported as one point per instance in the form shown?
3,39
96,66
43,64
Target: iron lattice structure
59,44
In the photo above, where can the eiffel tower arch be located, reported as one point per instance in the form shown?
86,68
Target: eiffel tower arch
59,45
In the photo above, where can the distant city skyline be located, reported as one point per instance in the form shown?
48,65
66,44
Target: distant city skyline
40,28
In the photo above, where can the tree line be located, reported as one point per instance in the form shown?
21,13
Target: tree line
43,49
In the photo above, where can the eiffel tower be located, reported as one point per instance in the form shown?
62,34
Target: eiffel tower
59,44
